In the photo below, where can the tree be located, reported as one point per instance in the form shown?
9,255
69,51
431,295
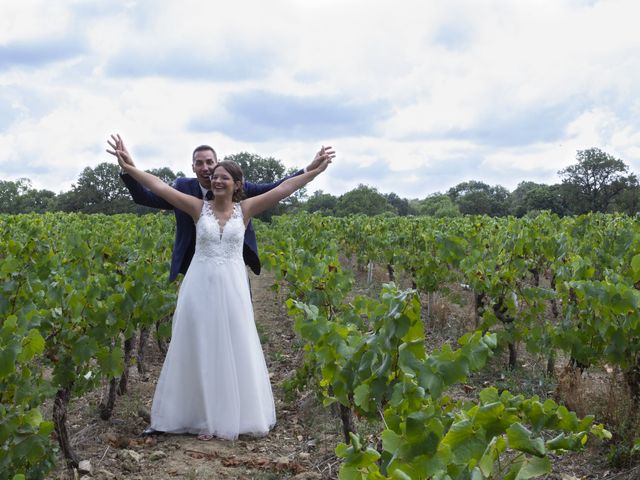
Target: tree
401,205
595,180
628,201
478,198
531,196
19,197
518,198
362,199
438,205
546,197
165,174
37,201
258,169
325,203
98,190
10,193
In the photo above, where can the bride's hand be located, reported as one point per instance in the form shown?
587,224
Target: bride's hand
323,154
322,160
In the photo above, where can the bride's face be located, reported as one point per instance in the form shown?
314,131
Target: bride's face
222,182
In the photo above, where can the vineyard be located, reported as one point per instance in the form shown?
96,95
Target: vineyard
83,294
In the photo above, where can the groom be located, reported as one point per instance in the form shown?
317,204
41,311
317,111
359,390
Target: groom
203,160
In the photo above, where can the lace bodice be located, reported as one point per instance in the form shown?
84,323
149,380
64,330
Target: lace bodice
217,245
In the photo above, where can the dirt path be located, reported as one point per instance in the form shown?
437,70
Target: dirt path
301,446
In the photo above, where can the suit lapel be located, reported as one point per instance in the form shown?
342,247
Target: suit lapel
196,191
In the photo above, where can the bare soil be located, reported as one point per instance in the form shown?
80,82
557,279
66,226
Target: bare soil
302,444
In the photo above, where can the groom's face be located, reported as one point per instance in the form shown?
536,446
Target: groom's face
203,163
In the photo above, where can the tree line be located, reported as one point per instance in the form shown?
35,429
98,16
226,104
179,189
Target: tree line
598,182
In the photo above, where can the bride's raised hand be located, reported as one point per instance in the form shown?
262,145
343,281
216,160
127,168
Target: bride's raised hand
323,154
322,160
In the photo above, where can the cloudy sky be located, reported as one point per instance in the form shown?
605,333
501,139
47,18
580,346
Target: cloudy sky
416,96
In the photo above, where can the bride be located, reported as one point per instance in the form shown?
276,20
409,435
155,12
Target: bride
214,380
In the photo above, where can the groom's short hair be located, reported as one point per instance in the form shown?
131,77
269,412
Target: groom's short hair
203,148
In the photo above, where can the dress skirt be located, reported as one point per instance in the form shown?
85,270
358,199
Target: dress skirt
214,379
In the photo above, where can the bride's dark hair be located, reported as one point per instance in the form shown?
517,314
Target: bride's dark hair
236,174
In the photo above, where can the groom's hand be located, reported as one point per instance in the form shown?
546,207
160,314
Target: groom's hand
119,150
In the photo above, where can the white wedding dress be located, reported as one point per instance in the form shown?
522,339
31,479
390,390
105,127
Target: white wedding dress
214,379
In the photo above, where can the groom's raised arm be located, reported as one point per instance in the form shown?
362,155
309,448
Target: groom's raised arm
255,189
142,195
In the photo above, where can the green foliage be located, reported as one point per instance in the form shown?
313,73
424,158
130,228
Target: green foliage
535,197
505,259
98,190
438,205
628,201
165,174
598,288
596,180
478,198
321,202
362,200
19,197
597,183
258,169
24,434
400,205
72,286
368,354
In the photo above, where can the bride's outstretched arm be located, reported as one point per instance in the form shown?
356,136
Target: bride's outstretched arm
182,201
255,205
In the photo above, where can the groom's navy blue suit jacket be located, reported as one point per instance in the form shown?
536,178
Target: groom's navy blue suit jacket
185,242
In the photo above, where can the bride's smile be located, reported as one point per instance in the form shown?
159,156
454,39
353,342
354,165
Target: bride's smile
222,182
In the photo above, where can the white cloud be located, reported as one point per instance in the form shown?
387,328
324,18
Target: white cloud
419,95
28,19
